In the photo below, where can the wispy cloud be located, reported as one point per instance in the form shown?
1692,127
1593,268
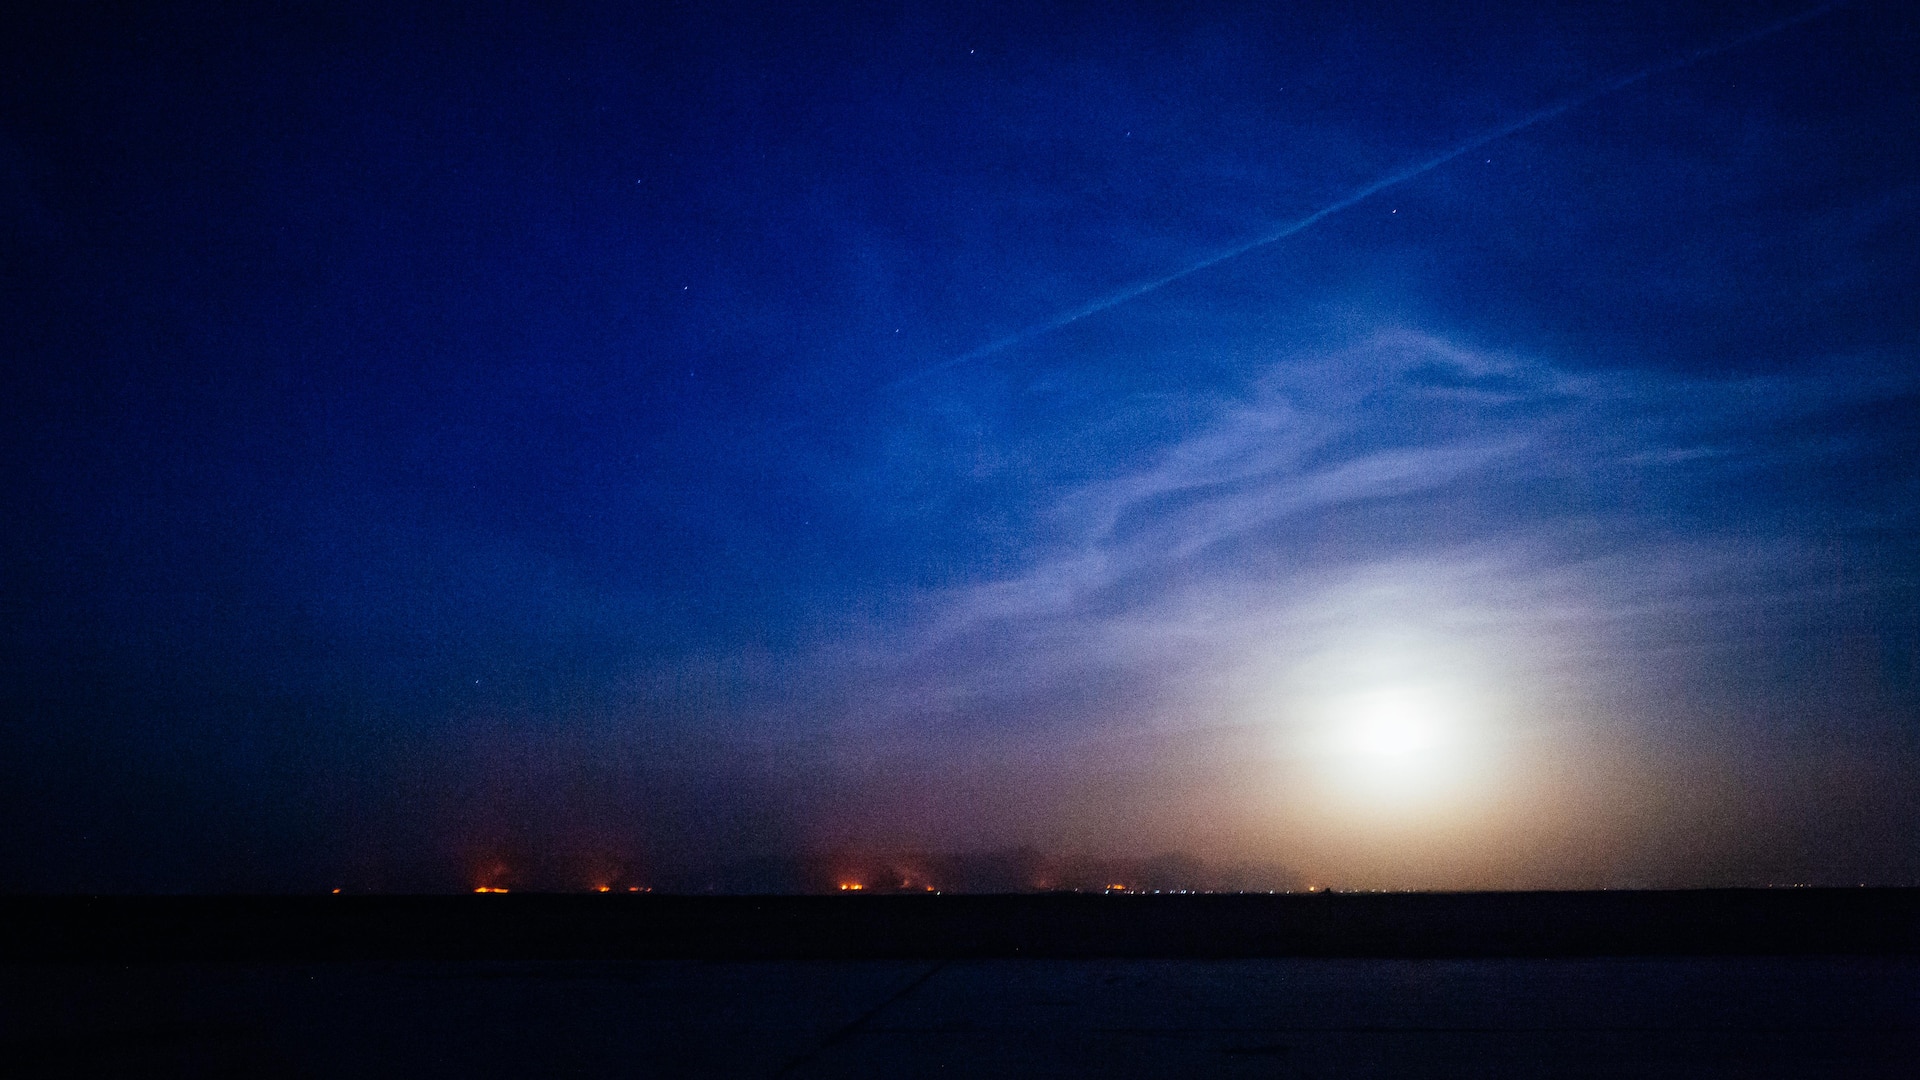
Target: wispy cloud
1599,565
1521,498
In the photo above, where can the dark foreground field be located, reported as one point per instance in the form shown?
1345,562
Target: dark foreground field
1723,983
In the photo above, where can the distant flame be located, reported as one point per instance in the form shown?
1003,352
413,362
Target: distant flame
603,888
851,886
489,889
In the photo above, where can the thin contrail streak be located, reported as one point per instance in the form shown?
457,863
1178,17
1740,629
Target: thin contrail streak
1393,179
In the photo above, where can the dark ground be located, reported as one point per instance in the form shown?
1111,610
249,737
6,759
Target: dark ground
1762,983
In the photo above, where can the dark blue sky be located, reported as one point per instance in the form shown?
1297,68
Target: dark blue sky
630,441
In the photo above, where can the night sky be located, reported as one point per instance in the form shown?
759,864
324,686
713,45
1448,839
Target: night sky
724,448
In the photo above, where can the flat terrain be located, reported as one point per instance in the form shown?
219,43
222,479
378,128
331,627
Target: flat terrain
1062,925
1802,983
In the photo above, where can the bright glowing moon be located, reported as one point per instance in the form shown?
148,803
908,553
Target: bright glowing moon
1394,727
1394,746
1396,704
